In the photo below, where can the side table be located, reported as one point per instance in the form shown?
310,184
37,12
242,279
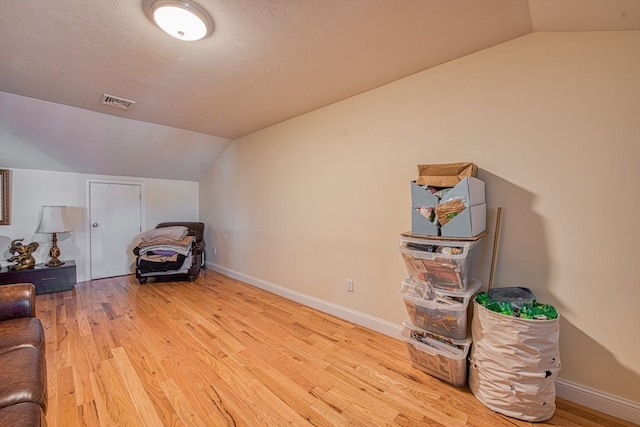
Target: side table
46,279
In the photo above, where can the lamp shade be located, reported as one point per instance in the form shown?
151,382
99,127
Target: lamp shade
53,220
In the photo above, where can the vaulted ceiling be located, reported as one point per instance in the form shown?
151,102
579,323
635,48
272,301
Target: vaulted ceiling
266,61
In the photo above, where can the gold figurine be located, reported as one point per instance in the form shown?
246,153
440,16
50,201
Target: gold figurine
22,255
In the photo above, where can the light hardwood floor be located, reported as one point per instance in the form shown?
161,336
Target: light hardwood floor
218,352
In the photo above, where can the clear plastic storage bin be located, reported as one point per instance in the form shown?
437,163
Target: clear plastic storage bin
442,358
438,311
442,263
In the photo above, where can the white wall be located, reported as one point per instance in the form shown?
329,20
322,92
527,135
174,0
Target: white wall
553,122
167,200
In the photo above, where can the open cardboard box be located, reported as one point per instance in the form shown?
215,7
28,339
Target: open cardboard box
468,223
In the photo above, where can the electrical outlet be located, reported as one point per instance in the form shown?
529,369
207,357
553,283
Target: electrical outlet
349,285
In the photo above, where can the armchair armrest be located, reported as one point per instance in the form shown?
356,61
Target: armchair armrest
198,248
17,300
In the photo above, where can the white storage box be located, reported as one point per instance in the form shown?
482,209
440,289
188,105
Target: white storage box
468,223
442,358
438,311
447,268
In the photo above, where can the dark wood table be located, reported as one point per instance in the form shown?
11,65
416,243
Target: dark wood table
46,279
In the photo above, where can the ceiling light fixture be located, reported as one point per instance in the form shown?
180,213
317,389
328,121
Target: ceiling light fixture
183,20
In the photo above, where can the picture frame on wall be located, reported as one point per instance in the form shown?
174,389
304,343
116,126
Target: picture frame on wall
5,197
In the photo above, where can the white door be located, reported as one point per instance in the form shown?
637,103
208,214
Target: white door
115,223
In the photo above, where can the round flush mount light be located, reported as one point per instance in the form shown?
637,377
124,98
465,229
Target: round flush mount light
183,20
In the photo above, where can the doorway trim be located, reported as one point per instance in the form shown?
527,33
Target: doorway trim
87,210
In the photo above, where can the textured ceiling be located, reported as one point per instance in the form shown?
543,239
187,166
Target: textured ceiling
266,61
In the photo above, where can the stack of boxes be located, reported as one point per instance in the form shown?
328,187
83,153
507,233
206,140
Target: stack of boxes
439,288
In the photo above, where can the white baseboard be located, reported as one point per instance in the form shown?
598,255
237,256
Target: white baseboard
362,319
612,405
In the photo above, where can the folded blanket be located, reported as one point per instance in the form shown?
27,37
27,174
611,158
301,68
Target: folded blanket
165,273
161,252
146,265
148,269
155,257
185,242
177,232
176,249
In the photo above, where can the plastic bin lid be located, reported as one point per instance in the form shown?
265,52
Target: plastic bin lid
445,345
417,289
416,253
466,245
515,295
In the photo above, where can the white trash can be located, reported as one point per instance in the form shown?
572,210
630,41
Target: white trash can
514,363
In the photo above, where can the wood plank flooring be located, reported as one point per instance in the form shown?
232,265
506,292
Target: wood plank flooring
218,352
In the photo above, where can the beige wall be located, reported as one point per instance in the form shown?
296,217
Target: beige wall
553,122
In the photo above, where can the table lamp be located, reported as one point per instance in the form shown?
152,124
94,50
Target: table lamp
54,221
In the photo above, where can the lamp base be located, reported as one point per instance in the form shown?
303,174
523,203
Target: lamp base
54,253
55,262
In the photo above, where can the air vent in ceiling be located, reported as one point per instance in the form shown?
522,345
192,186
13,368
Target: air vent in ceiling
114,101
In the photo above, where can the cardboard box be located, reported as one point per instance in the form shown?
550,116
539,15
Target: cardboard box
470,190
445,175
422,198
468,223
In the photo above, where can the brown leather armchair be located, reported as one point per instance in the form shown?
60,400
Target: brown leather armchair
23,377
195,229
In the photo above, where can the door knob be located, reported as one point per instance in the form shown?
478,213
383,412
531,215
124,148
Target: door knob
94,225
